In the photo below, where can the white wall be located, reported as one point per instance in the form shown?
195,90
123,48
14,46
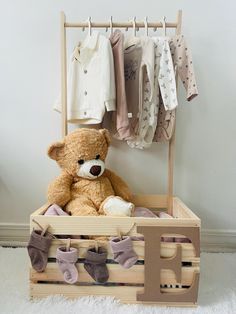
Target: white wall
30,79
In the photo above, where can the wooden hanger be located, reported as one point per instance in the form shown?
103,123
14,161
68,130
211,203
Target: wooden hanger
146,25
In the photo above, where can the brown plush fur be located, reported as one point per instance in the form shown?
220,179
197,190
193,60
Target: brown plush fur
80,196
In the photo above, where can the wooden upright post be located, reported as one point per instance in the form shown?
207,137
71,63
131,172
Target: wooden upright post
171,146
63,76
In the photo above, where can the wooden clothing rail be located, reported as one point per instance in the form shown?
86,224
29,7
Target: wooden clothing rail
176,25
121,25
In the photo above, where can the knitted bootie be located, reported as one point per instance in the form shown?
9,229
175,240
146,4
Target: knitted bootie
55,210
123,251
66,261
95,264
38,248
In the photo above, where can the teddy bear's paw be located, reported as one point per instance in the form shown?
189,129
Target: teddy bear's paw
116,206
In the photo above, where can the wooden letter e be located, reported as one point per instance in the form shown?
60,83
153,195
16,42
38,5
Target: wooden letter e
154,263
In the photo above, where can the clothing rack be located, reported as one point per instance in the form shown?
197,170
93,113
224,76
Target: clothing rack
133,24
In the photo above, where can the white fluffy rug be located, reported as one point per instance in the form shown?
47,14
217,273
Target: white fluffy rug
217,290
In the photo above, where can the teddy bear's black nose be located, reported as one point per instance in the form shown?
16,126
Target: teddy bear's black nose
95,170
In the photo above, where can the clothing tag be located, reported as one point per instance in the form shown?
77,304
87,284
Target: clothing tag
130,115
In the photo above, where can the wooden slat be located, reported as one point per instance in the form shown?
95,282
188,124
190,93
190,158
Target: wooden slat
117,274
123,293
167,249
103,225
150,201
145,200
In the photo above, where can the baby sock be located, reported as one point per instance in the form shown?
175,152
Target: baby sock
38,248
123,251
66,261
95,264
55,210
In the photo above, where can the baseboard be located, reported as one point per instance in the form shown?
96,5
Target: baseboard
212,240
218,240
14,234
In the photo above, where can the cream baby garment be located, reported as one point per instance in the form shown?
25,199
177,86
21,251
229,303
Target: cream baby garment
117,122
91,81
182,60
146,72
164,80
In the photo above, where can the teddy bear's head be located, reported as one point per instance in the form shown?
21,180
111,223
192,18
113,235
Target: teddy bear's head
82,153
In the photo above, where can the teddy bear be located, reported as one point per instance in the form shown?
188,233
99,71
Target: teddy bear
85,187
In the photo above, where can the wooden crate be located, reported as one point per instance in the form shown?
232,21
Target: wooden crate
148,281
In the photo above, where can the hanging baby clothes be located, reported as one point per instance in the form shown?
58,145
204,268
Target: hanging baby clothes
164,77
182,61
146,73
165,124
91,81
132,64
117,121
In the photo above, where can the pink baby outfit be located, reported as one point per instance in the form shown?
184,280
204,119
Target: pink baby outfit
118,121
132,63
182,60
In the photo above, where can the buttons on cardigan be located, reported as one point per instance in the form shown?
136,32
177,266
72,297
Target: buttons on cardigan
85,71
85,93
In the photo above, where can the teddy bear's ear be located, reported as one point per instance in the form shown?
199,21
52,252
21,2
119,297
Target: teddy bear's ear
106,134
55,149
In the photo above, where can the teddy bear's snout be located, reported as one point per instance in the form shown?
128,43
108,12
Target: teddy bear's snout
95,170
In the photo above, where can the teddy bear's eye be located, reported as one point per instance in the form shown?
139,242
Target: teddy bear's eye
81,161
97,157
